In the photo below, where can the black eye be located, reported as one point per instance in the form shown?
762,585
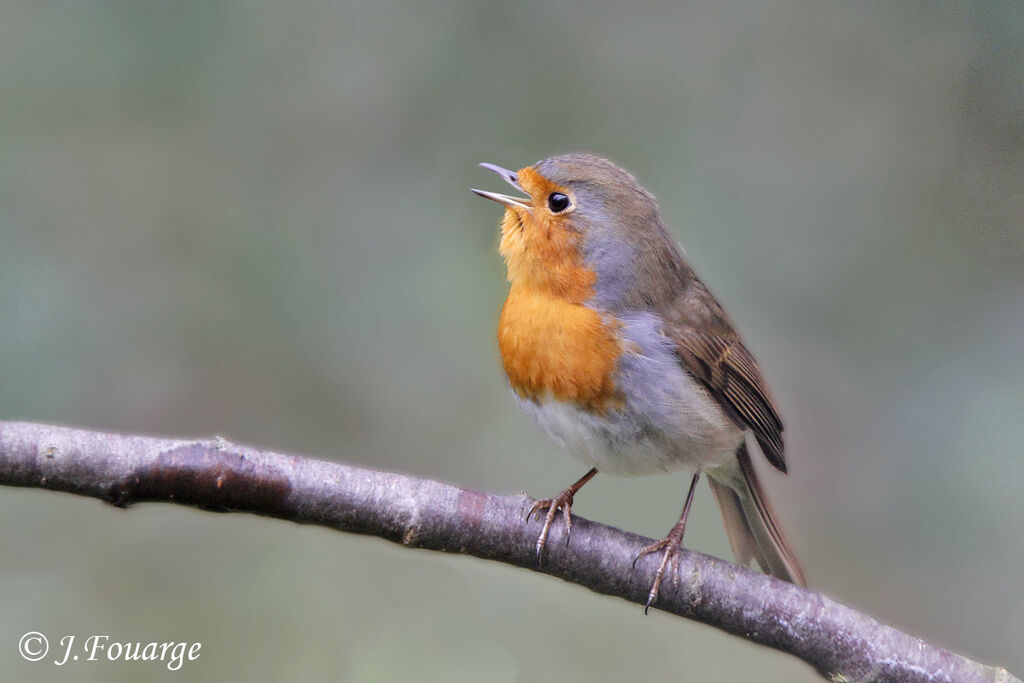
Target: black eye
557,202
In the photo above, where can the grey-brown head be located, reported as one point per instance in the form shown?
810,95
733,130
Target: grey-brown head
584,211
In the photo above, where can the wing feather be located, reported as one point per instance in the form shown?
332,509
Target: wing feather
730,373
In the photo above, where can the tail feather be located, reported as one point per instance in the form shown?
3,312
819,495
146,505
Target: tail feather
753,529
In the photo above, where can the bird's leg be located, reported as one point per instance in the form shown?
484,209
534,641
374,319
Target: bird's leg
671,544
562,501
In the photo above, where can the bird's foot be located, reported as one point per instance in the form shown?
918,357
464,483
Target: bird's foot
563,502
671,545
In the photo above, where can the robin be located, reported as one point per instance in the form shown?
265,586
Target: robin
625,358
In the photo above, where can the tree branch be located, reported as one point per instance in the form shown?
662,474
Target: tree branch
841,643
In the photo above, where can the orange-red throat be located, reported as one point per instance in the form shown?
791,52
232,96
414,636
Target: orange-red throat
542,250
551,344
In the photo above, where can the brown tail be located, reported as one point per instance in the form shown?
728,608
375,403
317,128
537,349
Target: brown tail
754,532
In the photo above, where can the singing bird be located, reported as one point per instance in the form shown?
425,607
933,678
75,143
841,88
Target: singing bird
624,357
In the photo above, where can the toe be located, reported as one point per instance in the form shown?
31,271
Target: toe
539,505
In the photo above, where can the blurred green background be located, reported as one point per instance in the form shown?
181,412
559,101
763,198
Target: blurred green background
254,220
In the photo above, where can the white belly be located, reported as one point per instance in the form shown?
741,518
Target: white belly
667,420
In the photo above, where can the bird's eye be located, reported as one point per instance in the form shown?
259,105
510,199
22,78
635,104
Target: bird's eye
557,202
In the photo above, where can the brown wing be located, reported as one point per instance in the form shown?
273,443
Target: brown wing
705,340
712,352
730,373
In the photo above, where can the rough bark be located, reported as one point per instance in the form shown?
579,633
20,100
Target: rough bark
841,643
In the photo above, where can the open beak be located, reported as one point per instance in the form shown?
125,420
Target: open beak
508,200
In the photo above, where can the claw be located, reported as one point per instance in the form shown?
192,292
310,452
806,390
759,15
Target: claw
671,544
563,501
536,506
567,511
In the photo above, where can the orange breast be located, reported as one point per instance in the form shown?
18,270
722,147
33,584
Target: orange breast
552,347
550,343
